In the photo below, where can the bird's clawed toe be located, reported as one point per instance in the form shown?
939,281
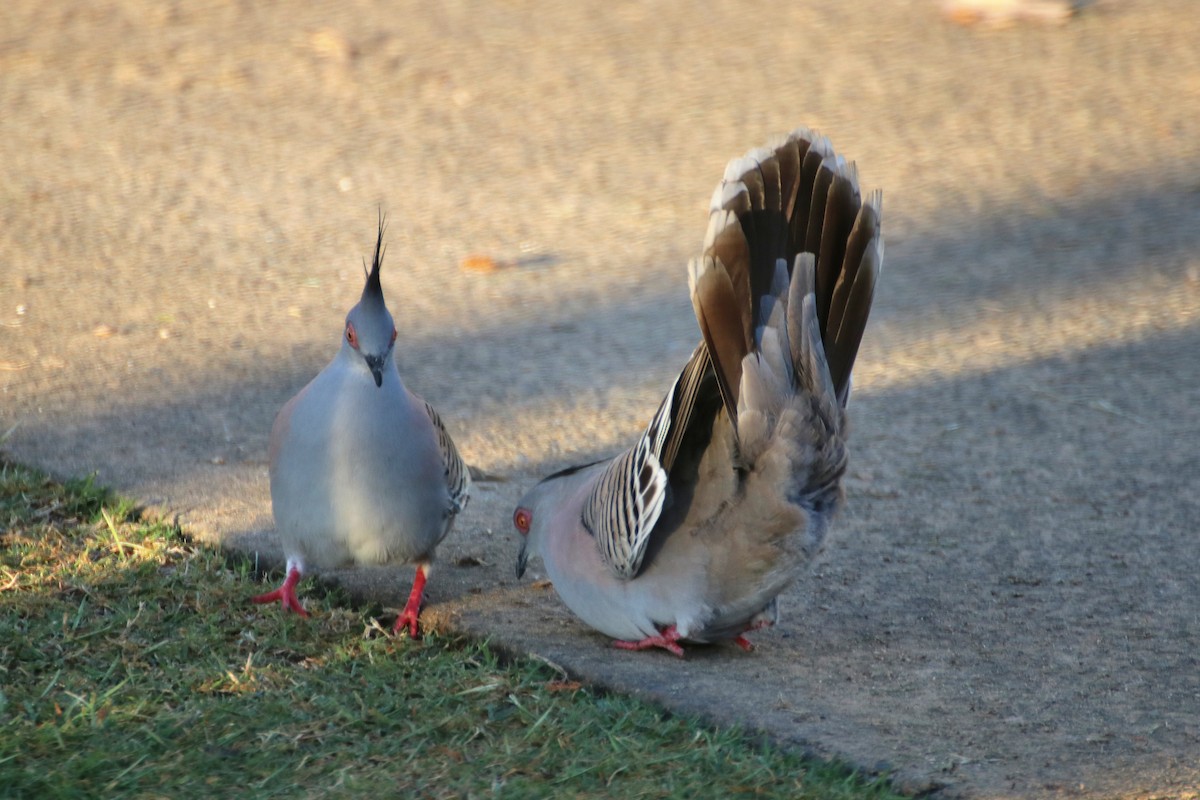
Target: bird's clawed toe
667,639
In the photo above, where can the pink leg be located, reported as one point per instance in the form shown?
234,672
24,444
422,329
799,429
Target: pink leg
668,639
412,610
286,594
744,643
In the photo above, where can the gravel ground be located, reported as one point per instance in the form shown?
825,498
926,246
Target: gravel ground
1010,606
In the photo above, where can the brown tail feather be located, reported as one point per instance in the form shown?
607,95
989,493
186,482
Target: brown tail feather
810,162
721,321
866,223
863,256
755,188
772,193
758,229
773,199
798,198
841,211
788,158
816,216
730,249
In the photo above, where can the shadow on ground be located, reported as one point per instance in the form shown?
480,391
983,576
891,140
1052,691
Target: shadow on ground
1010,603
1010,608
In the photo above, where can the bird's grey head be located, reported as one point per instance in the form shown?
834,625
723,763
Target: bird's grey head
370,331
530,515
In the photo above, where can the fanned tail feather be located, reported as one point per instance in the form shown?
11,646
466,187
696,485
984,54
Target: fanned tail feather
782,296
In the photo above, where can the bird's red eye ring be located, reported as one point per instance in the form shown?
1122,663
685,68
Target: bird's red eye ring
393,336
351,335
523,518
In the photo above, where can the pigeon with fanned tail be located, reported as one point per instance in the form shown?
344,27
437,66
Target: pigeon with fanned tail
692,533
362,470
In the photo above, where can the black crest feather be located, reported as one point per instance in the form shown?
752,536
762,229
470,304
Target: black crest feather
373,287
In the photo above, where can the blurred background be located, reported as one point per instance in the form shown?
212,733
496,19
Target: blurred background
188,190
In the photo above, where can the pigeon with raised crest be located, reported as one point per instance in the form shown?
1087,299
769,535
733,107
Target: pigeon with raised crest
363,471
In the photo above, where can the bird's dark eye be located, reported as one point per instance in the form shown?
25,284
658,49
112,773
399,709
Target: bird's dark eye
523,518
351,335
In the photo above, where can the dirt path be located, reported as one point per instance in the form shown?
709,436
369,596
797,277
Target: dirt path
1011,605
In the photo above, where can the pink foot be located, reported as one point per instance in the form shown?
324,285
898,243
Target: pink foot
411,614
668,639
285,594
744,643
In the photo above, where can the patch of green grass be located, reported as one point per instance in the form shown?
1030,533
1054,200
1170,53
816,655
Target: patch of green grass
133,665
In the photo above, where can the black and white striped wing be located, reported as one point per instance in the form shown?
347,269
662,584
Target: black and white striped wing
458,476
630,495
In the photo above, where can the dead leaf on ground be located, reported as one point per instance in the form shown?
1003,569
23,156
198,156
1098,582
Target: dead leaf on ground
563,686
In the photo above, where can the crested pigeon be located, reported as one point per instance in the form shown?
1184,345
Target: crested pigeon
692,533
362,470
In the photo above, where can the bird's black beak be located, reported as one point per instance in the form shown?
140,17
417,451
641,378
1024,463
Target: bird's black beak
522,559
375,364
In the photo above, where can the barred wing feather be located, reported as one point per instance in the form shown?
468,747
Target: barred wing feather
633,490
458,476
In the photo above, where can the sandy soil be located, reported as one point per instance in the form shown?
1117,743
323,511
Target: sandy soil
1011,603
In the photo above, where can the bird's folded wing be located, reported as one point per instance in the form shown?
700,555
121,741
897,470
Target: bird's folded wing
629,496
458,477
